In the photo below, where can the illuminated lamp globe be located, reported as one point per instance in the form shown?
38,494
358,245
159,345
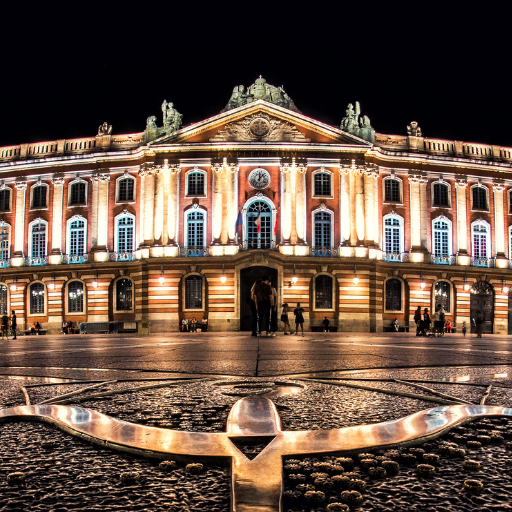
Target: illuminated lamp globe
223,279
506,289
161,279
422,285
466,286
95,283
356,279
51,286
294,279
13,287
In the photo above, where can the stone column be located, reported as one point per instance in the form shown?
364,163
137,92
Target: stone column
462,234
370,227
19,224
286,206
158,226
415,217
353,208
499,223
300,203
55,257
360,204
173,209
232,201
100,217
345,206
217,204
424,213
149,207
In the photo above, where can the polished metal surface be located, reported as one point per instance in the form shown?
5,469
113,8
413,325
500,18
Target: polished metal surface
257,483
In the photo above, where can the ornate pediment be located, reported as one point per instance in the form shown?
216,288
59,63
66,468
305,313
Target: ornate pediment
260,127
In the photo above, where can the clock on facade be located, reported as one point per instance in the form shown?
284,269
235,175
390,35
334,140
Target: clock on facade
259,178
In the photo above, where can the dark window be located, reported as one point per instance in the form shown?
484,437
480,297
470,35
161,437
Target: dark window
322,230
4,242
479,198
195,229
323,292
39,196
5,200
509,201
259,212
125,227
38,240
3,300
391,191
124,295
37,299
393,295
442,292
76,297
194,292
77,238
125,189
77,195
441,195
195,184
322,184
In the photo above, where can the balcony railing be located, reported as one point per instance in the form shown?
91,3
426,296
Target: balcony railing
192,251
392,256
323,252
5,263
32,262
75,258
443,260
121,256
482,262
249,246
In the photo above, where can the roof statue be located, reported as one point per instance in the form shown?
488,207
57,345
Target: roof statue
104,129
357,124
260,90
413,129
172,120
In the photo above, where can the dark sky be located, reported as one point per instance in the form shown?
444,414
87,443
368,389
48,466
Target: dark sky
65,70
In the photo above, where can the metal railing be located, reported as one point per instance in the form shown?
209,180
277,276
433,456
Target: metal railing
482,262
194,251
75,258
443,260
32,262
262,244
121,256
324,252
5,263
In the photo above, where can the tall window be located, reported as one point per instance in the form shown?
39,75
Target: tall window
75,297
393,295
322,222
323,292
39,193
38,240
36,299
259,225
5,200
479,198
195,229
125,231
442,238
77,237
322,184
125,189
480,238
4,241
442,295
3,300
441,195
392,235
77,193
391,190
194,292
509,201
124,295
510,242
195,184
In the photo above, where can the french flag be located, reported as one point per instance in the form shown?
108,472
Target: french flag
257,221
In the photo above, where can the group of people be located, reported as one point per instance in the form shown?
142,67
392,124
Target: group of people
192,326
67,327
425,326
9,326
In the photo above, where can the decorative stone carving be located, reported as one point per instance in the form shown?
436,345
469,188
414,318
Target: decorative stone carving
322,207
357,124
260,127
324,268
147,169
417,178
100,176
20,185
413,129
444,275
171,117
73,274
57,181
151,123
35,277
461,182
260,258
260,90
121,271
104,129
396,272
293,167
498,185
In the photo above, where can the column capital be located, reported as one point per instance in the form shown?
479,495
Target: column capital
293,167
20,184
372,170
57,180
147,169
417,178
498,185
461,182
100,176
229,168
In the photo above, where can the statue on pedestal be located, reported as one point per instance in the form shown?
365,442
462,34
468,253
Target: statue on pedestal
104,129
413,129
357,124
172,118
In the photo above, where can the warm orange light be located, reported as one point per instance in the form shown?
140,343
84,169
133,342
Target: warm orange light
223,279
294,279
13,287
161,279
356,279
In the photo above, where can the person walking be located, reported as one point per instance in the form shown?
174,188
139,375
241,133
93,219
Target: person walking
299,319
437,330
426,322
263,295
325,324
442,319
5,327
479,326
14,324
464,329
273,311
253,301
285,320
417,321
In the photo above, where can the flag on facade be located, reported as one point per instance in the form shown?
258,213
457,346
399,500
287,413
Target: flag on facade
238,223
275,227
257,221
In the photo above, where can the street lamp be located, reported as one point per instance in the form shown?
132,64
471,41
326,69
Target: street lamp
95,282
422,282
294,278
356,279
161,279
466,284
13,284
223,278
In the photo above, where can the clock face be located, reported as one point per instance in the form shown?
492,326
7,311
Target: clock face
259,178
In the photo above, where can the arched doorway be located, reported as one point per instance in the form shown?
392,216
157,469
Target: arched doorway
247,278
482,305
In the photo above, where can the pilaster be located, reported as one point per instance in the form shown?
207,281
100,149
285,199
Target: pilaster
55,257
345,207
499,223
19,224
100,183
462,253
418,198
173,177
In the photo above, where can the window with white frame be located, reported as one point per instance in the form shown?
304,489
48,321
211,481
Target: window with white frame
441,194
77,193
124,294
125,189
259,225
510,201
323,292
75,297
194,292
393,234
442,237
480,231
76,236
510,242
322,184
4,241
393,295
442,293
196,183
392,190
125,231
5,200
38,239
195,220
3,300
36,294
39,196
479,197
322,229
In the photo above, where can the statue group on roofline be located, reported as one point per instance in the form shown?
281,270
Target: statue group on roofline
172,121
357,124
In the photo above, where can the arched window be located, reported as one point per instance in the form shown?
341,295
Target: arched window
124,294
441,194
5,200
75,297
441,240
322,184
323,292
480,231
125,231
393,295
509,201
4,241
38,241
442,293
510,242
392,192
259,225
195,226
39,196
76,236
322,233
77,193
36,292
194,292
479,194
3,300
196,184
125,188
393,237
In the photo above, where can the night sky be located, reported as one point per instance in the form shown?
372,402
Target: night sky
66,70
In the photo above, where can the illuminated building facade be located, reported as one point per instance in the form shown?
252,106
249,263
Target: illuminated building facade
175,222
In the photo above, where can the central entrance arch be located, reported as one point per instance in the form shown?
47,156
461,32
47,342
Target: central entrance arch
482,305
247,278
